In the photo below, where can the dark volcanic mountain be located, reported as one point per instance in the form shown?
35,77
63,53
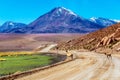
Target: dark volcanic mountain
61,20
12,27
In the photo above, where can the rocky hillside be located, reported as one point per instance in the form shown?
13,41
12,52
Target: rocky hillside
108,37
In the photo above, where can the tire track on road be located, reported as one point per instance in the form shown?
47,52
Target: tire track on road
88,73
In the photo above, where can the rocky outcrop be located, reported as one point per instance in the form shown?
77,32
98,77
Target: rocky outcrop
117,34
114,37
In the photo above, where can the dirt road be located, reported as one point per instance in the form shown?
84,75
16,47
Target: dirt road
88,66
48,48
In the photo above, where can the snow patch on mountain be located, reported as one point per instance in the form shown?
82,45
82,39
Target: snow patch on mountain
118,21
69,11
11,24
93,19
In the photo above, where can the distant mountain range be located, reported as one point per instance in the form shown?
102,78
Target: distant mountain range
9,27
103,21
58,20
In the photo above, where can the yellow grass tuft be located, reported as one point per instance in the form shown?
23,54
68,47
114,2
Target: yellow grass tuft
15,53
2,59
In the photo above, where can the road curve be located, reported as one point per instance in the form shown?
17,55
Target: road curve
48,48
88,66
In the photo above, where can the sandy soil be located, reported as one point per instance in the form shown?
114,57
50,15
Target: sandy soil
87,66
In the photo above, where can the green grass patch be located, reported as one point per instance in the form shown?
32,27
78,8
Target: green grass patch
19,63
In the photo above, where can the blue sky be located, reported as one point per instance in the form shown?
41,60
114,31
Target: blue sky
26,11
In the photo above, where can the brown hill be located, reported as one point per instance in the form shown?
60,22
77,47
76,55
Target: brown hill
106,37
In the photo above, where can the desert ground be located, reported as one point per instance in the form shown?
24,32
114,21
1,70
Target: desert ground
29,42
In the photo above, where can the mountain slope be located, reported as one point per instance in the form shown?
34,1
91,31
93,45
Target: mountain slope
62,20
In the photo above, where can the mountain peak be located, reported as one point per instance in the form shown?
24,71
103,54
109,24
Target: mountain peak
64,10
